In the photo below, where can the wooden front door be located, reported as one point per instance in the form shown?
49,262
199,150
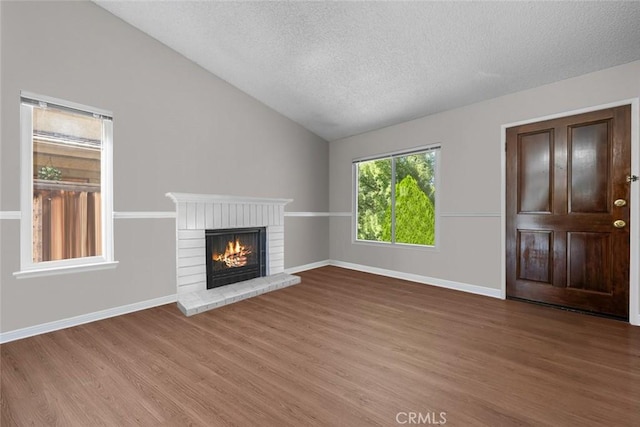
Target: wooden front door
567,211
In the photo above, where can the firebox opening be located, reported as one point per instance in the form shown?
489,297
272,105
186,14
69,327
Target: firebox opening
235,255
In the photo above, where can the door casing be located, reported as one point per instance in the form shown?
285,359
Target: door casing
634,228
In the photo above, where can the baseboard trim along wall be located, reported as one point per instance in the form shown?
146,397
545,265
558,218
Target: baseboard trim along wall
305,267
441,283
143,305
84,318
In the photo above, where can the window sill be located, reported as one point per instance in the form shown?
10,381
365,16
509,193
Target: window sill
52,271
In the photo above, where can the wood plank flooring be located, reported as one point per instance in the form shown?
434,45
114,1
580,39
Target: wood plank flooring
341,349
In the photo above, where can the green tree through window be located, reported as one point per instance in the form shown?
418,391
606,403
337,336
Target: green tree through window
406,215
374,198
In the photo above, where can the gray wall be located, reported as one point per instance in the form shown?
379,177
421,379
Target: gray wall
176,128
470,250
179,128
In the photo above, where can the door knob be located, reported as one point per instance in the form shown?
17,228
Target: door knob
618,223
620,203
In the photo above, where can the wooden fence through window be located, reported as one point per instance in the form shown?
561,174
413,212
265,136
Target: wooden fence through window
67,220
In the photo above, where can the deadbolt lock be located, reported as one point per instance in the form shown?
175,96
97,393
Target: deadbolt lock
618,223
620,203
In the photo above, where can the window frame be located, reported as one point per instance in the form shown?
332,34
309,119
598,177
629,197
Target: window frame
29,268
437,149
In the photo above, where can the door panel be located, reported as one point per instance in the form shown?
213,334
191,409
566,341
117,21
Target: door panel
563,176
590,148
536,154
589,263
535,255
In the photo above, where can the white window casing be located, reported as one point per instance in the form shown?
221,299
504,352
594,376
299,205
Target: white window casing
436,149
29,268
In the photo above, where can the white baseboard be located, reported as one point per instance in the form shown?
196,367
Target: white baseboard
306,267
30,331
634,319
441,283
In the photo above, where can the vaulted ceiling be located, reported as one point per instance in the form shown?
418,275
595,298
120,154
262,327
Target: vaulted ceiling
343,68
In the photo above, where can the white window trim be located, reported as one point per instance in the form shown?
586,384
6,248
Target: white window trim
354,201
27,267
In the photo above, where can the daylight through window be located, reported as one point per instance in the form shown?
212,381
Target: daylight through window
66,185
396,197
70,218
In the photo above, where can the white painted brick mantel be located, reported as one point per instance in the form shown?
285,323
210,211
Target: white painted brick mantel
196,213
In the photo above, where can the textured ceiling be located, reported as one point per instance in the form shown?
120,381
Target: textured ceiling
343,68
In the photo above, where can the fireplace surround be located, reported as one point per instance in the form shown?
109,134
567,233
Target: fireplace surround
198,213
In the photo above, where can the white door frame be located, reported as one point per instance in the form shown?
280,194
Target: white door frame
634,229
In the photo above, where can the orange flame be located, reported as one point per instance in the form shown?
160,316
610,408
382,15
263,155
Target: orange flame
235,254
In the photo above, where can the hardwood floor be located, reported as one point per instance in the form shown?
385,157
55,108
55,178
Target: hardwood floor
342,348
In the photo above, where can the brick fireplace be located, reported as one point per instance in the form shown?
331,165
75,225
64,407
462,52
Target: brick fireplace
198,214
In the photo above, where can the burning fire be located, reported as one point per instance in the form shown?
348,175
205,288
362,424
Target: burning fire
235,255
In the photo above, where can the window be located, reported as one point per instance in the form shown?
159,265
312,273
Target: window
396,197
66,218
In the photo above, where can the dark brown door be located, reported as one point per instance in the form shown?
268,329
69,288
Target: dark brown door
567,211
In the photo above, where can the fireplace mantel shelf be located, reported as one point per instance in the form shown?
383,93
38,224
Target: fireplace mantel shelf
221,198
